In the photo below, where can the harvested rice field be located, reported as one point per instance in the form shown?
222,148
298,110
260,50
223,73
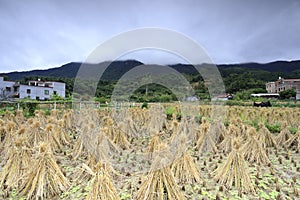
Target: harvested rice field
146,154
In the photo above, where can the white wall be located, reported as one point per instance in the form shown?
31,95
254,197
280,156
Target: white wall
4,84
298,95
35,92
60,89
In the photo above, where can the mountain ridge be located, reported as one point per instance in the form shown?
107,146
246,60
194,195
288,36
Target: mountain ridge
117,68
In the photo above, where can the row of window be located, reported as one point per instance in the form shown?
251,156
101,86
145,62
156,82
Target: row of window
8,89
46,92
28,91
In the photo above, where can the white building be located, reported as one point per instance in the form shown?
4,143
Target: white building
266,95
38,90
297,95
7,89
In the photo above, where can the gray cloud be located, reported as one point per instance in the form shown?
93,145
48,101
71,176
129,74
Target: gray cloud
48,33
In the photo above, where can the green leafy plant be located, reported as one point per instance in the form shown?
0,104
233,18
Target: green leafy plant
125,196
145,105
172,110
288,94
293,130
273,128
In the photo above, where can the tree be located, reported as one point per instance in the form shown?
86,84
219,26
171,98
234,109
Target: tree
56,97
287,94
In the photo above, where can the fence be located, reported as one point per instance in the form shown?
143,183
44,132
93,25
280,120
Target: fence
53,105
78,105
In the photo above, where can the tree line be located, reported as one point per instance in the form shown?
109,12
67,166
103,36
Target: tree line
239,81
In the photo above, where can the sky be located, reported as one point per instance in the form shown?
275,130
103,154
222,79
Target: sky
48,33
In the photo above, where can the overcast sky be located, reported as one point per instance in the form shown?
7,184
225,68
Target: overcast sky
48,33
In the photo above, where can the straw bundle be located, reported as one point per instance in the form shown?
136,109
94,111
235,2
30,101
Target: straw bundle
102,187
284,134
45,179
235,171
185,169
294,140
266,137
19,160
159,185
253,149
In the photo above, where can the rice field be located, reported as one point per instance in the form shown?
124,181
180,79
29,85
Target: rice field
135,153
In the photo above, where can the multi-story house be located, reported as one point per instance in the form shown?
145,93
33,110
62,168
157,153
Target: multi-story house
38,90
283,84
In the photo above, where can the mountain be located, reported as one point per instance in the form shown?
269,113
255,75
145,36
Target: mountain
69,70
117,68
278,66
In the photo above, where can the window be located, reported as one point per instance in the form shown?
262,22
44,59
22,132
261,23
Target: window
46,92
8,89
54,92
28,91
37,98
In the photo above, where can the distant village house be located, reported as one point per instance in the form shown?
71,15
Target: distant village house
283,84
38,90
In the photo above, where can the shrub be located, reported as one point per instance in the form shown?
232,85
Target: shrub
287,94
145,105
293,130
198,118
172,110
273,128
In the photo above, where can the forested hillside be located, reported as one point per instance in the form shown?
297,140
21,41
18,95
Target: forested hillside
249,77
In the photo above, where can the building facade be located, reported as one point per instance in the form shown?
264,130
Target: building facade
283,84
270,87
7,89
38,90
